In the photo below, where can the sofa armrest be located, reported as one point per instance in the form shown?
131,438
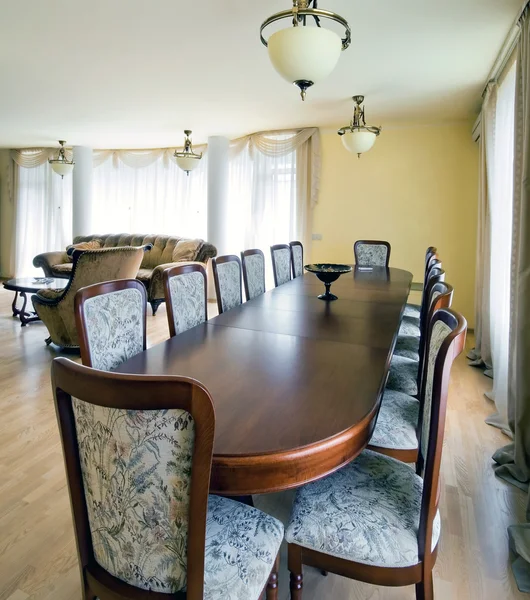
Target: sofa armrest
48,260
206,252
156,285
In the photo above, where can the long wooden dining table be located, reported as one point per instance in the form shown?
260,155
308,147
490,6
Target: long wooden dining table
296,381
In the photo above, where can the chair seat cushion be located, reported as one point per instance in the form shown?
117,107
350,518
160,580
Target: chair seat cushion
410,326
408,346
412,310
396,423
64,268
367,512
403,375
241,546
144,275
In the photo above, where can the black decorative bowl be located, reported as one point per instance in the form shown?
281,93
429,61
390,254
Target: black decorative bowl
328,273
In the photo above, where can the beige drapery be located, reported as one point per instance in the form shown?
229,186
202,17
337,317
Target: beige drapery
514,459
481,353
279,143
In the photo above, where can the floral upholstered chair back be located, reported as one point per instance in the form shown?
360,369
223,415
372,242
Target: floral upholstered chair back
227,278
133,472
281,263
186,297
371,253
111,322
297,256
253,263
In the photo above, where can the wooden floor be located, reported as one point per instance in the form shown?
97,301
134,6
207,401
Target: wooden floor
37,554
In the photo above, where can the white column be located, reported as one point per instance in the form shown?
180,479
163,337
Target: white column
218,148
82,191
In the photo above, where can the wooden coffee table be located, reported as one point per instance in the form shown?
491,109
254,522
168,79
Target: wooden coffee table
30,285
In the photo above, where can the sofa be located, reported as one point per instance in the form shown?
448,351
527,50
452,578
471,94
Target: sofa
167,251
55,308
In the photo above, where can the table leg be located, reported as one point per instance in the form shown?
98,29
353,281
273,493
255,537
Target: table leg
25,316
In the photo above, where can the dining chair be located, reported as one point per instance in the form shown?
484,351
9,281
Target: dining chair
186,297
281,263
111,322
404,374
227,279
377,519
395,433
371,253
297,258
419,286
253,265
410,323
138,454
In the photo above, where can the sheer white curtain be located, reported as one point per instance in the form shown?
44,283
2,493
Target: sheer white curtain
43,215
500,168
273,186
155,198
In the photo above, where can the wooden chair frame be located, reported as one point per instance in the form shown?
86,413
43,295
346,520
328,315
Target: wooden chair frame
291,245
244,255
100,289
134,392
444,300
373,243
275,248
419,574
220,260
175,272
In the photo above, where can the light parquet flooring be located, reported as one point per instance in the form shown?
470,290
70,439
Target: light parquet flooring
37,552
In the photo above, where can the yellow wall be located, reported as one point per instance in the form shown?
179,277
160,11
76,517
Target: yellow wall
7,216
417,187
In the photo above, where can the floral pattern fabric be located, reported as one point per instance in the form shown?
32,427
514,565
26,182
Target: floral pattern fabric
439,333
187,293
114,326
403,375
408,346
241,546
371,255
412,310
410,326
298,260
229,275
136,468
397,422
367,512
255,269
282,265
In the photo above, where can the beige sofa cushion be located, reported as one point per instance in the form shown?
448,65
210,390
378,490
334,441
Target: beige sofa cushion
186,250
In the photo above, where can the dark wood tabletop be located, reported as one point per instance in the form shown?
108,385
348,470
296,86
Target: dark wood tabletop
296,381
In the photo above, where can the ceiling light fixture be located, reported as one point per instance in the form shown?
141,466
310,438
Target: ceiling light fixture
61,165
358,137
303,54
187,160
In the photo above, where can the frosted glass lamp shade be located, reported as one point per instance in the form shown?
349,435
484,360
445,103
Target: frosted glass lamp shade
358,141
62,168
188,163
304,53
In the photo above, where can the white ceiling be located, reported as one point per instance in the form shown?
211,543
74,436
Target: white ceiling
135,73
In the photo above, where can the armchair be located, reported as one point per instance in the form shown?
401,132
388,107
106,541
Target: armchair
56,308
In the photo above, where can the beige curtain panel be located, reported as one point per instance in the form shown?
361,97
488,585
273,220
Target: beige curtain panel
514,460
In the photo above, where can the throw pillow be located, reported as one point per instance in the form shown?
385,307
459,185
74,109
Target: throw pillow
92,245
186,250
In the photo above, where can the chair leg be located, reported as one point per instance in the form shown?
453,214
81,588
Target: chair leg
425,589
154,305
48,340
295,567
272,585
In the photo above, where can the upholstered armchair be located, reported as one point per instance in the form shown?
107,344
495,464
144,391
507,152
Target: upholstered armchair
56,308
